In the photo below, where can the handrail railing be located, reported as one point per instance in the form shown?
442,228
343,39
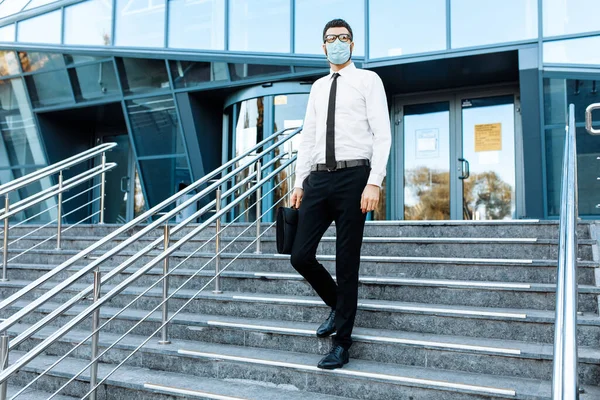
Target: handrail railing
565,377
57,191
262,157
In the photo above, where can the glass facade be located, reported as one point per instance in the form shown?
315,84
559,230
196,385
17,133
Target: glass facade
8,33
401,27
89,23
573,51
45,28
142,75
197,24
95,81
260,26
563,17
140,23
190,74
9,65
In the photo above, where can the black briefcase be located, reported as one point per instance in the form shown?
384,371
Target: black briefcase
287,223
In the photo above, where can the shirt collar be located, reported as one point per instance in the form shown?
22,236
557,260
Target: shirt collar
348,69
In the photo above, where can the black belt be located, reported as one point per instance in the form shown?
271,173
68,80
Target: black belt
341,165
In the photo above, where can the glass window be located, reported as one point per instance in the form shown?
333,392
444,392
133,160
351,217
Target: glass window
397,28
245,71
155,126
89,23
312,15
49,88
574,51
34,61
95,81
8,33
262,26
9,65
189,74
71,59
477,23
562,17
162,177
197,24
142,75
559,93
38,3
45,28
11,7
140,23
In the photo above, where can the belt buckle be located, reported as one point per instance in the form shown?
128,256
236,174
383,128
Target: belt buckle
331,169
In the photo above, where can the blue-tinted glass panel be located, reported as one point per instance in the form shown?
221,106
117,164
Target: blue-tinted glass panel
89,23
11,7
42,29
38,3
261,26
49,88
8,33
559,93
312,15
478,23
197,24
574,51
71,59
162,177
9,64
34,61
246,71
140,23
140,75
155,126
562,17
189,74
400,27
92,82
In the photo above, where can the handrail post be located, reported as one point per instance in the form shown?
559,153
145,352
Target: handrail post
59,211
218,246
96,336
5,241
3,362
258,206
102,189
165,306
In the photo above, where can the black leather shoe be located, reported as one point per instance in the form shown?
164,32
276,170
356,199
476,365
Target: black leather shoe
337,357
327,328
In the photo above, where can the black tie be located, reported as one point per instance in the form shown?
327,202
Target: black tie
330,138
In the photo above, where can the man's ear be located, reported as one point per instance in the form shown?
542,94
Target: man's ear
325,48
352,47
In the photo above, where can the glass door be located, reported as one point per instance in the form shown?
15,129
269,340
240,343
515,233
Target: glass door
487,161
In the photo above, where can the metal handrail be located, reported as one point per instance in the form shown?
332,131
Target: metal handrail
55,168
250,161
565,384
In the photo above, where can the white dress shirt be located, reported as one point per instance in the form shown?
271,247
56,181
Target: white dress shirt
362,123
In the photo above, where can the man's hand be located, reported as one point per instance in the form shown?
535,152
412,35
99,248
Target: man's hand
296,199
369,199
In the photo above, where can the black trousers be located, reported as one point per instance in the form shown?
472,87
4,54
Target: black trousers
333,196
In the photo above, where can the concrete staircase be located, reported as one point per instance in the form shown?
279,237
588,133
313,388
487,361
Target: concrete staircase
455,310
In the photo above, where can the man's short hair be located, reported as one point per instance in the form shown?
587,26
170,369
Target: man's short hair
337,23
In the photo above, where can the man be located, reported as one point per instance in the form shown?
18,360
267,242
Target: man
340,168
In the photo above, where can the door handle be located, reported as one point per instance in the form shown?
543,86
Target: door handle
588,119
125,184
466,170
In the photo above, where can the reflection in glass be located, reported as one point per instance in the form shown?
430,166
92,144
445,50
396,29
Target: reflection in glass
197,24
49,88
11,7
400,27
140,23
142,75
45,28
9,64
117,187
72,59
562,17
35,61
559,93
477,23
155,126
89,23
261,26
190,74
312,15
244,71
8,33
95,81
489,147
573,51
427,161
162,177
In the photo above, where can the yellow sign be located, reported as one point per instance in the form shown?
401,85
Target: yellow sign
488,137
280,100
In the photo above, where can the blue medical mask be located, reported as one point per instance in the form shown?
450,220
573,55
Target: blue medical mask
338,52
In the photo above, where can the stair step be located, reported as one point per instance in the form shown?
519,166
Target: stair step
32,394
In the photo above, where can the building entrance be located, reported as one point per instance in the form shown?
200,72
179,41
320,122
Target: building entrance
458,157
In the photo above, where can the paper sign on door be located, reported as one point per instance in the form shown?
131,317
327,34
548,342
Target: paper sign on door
488,137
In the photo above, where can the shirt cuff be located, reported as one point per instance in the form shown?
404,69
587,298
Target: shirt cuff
299,181
375,179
